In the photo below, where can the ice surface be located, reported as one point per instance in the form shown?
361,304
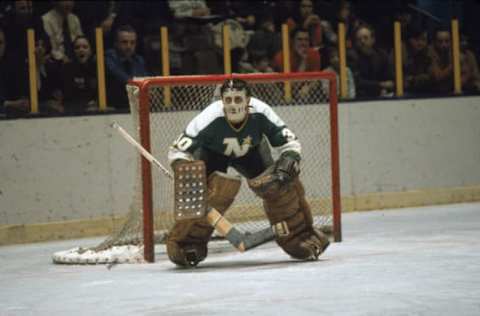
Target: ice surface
418,261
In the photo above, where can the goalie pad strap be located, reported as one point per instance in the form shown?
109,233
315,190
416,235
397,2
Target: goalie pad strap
281,229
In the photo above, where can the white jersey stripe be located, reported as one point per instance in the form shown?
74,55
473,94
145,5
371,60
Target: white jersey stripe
215,110
201,121
258,106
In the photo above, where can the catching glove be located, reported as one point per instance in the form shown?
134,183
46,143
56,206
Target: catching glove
287,167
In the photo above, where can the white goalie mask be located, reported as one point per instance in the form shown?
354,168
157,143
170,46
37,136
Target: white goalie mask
235,105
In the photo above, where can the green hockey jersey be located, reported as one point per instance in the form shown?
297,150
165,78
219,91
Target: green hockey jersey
210,129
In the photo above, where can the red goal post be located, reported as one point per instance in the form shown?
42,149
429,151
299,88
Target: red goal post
150,97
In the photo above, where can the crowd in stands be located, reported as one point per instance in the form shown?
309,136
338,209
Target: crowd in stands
66,61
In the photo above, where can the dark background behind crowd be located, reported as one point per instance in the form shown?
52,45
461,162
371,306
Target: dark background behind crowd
65,45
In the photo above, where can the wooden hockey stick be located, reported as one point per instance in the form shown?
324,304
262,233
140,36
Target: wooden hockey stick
239,240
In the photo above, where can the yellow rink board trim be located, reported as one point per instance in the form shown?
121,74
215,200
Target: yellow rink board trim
17,234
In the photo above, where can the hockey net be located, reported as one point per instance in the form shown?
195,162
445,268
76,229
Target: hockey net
161,107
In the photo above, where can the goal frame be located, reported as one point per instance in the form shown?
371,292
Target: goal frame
144,84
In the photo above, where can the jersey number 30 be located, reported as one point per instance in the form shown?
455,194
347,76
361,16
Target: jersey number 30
183,142
288,134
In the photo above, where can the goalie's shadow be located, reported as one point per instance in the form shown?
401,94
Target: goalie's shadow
245,264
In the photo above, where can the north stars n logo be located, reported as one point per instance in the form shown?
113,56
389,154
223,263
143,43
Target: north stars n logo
234,148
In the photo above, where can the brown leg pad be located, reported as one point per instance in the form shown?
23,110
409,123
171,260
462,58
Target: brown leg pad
186,254
192,235
287,207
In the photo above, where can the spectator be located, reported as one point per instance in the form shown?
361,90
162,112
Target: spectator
442,66
318,29
469,71
41,7
10,101
80,78
14,79
62,26
244,12
370,65
416,61
334,66
122,64
239,38
387,16
265,40
144,16
156,14
189,8
16,24
102,14
49,78
254,63
192,37
302,56
344,13
260,63
282,11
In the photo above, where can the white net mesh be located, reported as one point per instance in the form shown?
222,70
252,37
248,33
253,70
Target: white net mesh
305,110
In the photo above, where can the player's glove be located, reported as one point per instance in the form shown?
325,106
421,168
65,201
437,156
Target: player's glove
287,167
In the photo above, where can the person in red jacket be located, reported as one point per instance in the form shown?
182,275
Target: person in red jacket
302,56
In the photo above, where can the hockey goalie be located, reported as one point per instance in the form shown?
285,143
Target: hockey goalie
230,132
